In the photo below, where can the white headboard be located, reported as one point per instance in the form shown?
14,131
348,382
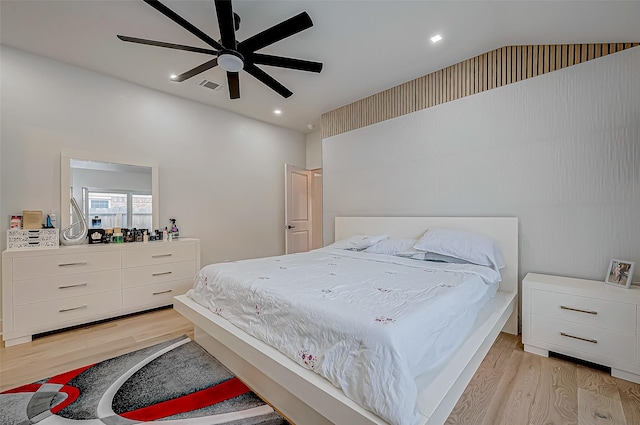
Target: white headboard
503,230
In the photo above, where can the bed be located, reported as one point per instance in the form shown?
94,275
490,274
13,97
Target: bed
305,397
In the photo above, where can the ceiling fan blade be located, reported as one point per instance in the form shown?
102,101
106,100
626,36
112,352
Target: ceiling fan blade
282,62
197,70
225,23
267,80
183,23
276,33
234,85
167,45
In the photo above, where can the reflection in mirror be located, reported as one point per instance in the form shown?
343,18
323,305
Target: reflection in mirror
111,192
113,195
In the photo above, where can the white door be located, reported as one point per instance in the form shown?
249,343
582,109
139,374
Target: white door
297,217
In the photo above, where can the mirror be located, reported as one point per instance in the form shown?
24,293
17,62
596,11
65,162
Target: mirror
119,191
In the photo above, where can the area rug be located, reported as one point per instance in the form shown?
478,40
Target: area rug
176,382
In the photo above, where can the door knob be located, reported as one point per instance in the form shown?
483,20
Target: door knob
288,226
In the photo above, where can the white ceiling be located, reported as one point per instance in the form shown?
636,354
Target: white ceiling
366,46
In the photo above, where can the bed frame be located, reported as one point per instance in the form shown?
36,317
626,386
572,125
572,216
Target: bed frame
306,398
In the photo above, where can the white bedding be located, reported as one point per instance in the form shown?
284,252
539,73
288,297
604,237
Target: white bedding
369,323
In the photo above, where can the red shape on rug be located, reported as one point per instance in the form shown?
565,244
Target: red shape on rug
64,378
203,398
72,395
72,392
29,388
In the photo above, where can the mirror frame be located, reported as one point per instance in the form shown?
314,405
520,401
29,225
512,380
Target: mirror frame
65,179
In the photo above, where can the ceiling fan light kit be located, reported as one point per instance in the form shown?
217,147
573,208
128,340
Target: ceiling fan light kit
233,56
230,61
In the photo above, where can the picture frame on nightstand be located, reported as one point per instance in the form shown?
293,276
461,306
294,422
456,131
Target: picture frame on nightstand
620,273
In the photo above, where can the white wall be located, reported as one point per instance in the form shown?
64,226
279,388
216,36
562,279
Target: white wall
220,174
561,152
314,150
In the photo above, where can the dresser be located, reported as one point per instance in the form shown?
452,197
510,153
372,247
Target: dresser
585,319
49,289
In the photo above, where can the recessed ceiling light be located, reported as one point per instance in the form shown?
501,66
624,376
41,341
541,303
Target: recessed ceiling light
173,76
436,38
277,111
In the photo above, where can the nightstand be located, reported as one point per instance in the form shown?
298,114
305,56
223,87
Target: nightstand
585,319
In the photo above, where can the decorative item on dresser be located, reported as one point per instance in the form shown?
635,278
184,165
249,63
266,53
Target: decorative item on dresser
75,233
620,273
49,289
584,319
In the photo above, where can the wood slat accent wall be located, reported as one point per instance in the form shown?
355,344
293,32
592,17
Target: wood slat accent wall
493,69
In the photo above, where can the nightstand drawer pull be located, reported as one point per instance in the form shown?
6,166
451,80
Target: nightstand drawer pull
72,309
79,263
73,286
593,341
564,307
161,255
161,273
163,292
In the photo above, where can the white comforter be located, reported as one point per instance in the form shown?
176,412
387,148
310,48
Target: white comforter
369,323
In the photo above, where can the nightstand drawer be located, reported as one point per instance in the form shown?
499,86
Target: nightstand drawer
606,314
587,339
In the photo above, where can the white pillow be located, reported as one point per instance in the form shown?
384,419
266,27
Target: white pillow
469,246
358,242
392,246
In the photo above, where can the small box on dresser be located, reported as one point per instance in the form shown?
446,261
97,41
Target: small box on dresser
584,319
34,238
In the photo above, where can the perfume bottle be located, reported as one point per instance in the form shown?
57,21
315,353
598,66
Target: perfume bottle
96,222
174,232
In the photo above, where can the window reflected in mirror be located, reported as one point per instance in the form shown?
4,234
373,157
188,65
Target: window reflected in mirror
107,210
113,194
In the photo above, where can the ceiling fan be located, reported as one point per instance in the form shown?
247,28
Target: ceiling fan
232,55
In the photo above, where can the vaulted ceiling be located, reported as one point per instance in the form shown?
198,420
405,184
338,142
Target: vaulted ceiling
365,46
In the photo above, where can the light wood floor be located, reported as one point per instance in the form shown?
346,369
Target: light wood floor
57,353
511,387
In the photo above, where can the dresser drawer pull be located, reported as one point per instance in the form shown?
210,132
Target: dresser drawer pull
161,273
163,292
82,307
564,307
79,263
73,286
161,255
593,341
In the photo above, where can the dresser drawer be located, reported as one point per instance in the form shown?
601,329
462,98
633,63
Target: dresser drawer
596,341
155,295
58,265
147,275
158,253
606,314
58,287
67,311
